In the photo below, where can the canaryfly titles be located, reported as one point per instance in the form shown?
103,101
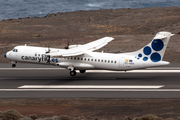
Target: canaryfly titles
43,58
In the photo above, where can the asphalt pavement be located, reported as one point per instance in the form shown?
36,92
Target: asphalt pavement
44,81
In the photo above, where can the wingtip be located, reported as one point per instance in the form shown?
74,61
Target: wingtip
172,34
108,39
111,38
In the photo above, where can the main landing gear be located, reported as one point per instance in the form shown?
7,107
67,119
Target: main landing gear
73,71
82,71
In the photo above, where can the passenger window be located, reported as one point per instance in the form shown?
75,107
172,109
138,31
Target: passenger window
99,60
114,61
111,61
81,58
75,58
91,59
85,59
78,58
88,59
108,61
104,60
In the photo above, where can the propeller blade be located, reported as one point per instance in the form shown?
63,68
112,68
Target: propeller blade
67,47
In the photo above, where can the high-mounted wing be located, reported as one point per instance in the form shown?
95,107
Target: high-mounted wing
80,50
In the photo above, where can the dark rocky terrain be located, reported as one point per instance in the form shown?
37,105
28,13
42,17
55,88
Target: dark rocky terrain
93,109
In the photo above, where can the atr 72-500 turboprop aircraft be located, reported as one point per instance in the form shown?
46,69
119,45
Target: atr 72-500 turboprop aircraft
82,57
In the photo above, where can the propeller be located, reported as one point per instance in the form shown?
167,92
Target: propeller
49,50
67,47
47,59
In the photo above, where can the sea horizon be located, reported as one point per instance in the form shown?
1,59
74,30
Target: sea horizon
14,9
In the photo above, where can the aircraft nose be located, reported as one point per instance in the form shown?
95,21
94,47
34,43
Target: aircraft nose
5,55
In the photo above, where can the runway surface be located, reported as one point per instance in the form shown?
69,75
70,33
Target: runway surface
44,81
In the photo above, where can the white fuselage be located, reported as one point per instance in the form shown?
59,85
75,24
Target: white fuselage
90,60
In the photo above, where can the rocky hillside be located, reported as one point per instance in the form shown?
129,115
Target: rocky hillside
130,27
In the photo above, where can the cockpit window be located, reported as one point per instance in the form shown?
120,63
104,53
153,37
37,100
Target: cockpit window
15,50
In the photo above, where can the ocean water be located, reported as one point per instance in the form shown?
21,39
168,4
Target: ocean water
13,9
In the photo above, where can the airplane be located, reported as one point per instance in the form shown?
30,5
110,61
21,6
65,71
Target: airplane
82,57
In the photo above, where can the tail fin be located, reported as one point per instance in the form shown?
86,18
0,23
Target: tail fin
155,50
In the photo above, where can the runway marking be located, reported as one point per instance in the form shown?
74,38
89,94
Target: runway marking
137,71
32,68
91,86
90,90
102,71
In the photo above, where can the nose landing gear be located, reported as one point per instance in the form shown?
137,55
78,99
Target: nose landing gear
13,64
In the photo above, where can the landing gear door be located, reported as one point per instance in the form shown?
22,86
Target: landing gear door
121,63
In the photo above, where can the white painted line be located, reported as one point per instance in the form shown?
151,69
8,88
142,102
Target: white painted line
91,86
101,71
134,71
90,90
31,68
155,71
164,68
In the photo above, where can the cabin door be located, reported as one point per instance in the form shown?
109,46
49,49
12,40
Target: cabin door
121,63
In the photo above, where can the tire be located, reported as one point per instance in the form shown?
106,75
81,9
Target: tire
72,73
82,71
13,65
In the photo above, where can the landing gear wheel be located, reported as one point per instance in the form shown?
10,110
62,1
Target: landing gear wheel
82,71
72,73
13,65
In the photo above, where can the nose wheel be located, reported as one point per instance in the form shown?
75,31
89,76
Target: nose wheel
13,65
